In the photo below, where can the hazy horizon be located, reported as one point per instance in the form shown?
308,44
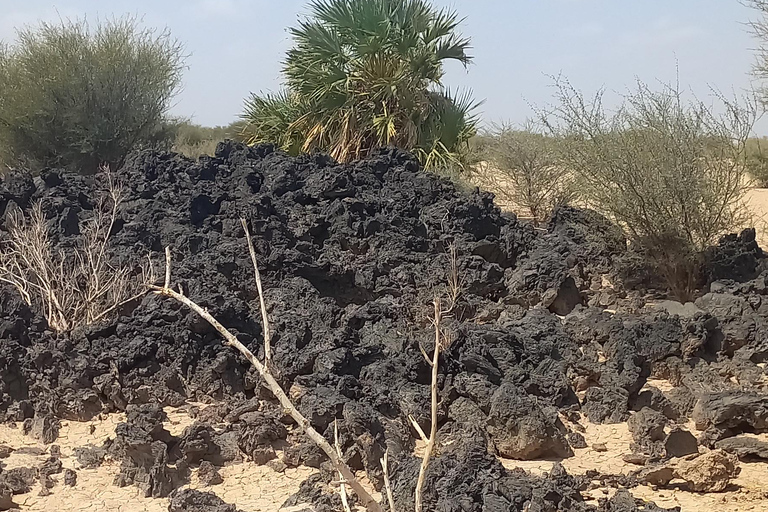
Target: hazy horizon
236,47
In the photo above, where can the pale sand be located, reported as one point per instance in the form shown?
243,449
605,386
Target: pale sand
252,488
258,488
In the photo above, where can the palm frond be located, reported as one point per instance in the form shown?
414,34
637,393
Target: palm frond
361,74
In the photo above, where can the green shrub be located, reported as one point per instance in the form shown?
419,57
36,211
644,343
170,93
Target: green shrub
522,167
757,160
78,96
367,73
672,173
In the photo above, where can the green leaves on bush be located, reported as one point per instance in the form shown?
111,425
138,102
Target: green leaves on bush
522,167
80,96
672,172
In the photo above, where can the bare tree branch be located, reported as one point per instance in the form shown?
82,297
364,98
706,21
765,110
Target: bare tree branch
230,339
264,317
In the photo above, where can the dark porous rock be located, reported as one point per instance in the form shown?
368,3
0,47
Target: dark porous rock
277,465
744,447
647,428
190,500
18,480
5,451
315,491
653,398
263,454
208,475
350,253
44,428
51,466
141,447
680,443
259,432
46,484
729,413
197,443
576,440
306,453
90,457
521,429
6,497
623,501
735,257
70,477
606,405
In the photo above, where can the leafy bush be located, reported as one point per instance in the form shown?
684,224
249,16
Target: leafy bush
77,96
672,173
759,28
522,167
367,73
757,160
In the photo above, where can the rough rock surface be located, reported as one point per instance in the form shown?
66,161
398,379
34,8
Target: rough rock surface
729,413
141,447
208,475
711,472
351,256
647,428
745,448
189,500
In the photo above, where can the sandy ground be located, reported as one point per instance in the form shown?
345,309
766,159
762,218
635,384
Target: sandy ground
757,201
747,492
258,488
252,488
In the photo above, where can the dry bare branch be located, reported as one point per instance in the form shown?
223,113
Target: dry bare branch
75,288
264,317
387,485
418,428
433,389
342,486
231,340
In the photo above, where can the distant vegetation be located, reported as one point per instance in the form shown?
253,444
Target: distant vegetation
193,140
79,96
757,160
523,167
671,172
368,73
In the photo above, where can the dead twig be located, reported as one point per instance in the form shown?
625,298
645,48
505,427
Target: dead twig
433,388
265,319
343,488
387,486
231,340
77,287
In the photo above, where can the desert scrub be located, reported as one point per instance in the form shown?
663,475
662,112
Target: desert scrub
81,96
757,161
673,173
522,168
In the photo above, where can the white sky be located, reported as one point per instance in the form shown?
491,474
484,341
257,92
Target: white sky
236,46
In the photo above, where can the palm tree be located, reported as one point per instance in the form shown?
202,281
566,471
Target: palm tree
367,73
